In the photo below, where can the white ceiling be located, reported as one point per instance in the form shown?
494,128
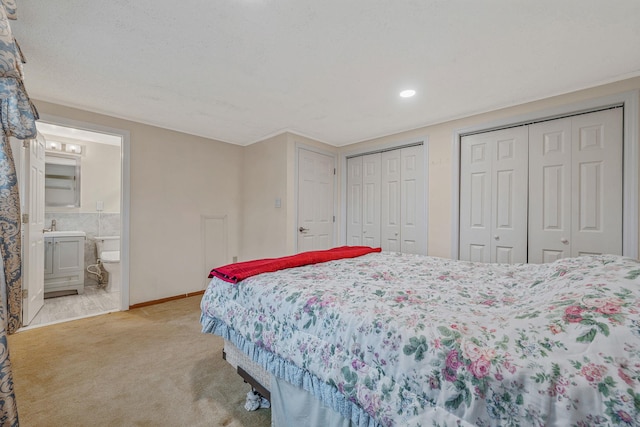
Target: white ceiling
242,70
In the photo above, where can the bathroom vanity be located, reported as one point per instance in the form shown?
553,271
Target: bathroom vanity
64,261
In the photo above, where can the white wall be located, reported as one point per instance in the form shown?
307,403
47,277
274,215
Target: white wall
264,179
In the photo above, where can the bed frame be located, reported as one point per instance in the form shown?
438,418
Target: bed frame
252,373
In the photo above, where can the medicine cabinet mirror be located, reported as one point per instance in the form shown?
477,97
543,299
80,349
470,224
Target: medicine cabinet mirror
62,180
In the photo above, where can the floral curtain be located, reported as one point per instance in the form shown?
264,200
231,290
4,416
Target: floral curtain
17,117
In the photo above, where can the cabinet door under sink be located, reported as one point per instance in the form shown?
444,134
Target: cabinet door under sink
48,256
64,264
68,254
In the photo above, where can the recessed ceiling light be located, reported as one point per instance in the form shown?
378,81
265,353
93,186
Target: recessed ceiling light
407,93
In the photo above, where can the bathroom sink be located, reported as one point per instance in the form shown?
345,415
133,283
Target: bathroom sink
65,234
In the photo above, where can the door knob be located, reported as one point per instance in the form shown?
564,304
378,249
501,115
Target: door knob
496,237
565,241
303,230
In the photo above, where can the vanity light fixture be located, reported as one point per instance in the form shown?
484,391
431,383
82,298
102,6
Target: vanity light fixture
54,145
73,148
407,93
64,147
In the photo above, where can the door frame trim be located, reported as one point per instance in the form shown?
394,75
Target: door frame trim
631,111
125,183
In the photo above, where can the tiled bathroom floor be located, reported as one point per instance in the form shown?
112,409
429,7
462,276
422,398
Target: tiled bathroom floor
92,301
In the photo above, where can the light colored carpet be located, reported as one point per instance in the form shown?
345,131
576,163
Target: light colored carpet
149,366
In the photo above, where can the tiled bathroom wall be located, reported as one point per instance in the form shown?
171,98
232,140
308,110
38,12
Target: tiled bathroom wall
93,224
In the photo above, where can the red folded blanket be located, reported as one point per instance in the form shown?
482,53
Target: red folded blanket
241,270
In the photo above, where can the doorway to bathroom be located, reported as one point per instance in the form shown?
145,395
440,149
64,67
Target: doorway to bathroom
85,204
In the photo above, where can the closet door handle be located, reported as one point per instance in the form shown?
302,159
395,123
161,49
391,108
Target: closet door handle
303,230
496,237
564,241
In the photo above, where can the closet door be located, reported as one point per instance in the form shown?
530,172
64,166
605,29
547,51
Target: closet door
386,200
412,196
390,201
354,201
597,183
371,200
476,152
493,196
576,186
550,190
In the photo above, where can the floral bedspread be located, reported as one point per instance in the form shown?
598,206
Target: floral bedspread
418,341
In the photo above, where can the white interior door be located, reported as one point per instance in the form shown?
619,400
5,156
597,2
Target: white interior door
493,196
354,201
392,189
33,253
576,186
597,183
510,196
550,190
390,201
371,200
412,210
315,200
476,152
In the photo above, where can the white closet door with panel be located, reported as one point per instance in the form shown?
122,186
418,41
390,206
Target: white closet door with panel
597,183
386,200
371,200
354,201
493,196
391,202
403,194
576,179
412,211
550,186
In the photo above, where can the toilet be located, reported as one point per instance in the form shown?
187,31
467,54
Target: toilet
108,251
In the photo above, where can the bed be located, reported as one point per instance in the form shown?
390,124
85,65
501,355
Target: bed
389,339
